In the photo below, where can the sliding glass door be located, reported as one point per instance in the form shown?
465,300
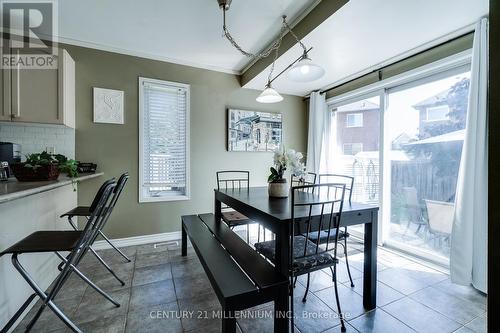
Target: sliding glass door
402,142
424,132
354,148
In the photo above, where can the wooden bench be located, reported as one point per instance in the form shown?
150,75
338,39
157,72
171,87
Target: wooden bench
241,278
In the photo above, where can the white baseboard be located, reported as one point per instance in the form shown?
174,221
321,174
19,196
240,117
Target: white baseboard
139,240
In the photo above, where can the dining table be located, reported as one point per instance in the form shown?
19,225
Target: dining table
275,215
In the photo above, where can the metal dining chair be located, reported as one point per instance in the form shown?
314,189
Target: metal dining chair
348,181
305,255
74,241
236,180
86,211
309,179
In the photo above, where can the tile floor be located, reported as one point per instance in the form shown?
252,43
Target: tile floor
166,292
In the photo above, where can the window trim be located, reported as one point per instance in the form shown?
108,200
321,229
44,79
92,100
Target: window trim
435,108
187,196
354,114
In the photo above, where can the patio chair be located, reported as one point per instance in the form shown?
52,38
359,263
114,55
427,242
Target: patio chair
309,256
414,209
440,215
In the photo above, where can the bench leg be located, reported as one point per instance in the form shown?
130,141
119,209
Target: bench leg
228,322
184,242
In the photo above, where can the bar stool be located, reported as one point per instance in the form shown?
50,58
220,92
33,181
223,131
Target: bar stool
86,211
76,242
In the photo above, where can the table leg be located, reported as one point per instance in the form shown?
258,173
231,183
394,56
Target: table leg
370,264
217,210
282,305
183,242
281,308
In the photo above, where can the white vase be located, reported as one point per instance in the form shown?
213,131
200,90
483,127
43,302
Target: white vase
278,189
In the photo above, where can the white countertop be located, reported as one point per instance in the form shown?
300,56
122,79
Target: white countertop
13,189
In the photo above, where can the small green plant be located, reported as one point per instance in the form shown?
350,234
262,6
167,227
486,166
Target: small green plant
65,165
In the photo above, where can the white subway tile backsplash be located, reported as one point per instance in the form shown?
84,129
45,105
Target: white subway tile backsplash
36,138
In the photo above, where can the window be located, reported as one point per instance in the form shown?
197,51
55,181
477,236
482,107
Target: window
163,140
354,120
412,137
352,148
424,162
437,113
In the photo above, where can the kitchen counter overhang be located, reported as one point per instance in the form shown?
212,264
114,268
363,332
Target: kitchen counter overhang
13,189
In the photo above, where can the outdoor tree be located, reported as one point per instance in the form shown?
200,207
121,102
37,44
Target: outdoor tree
445,156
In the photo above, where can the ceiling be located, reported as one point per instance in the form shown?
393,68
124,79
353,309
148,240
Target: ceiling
186,32
364,34
358,37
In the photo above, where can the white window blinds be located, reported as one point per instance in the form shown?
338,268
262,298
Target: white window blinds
164,140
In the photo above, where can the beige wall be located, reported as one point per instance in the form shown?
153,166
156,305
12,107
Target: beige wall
115,147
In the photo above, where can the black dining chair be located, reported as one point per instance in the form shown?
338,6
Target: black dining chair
326,201
308,179
236,180
343,234
86,211
77,243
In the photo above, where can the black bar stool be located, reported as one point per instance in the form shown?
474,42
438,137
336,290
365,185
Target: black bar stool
76,242
86,211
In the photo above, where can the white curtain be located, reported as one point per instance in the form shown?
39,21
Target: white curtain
468,258
318,142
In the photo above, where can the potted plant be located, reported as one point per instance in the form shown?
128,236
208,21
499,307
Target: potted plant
278,187
44,166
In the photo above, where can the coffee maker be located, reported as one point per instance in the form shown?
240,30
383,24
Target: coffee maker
10,153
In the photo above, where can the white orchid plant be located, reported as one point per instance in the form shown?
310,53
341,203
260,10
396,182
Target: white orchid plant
287,159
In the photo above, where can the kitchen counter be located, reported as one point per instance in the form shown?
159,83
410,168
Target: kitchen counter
13,189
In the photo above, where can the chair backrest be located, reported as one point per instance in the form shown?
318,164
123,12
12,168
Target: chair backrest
120,184
410,197
440,215
322,208
233,179
309,179
98,195
348,181
96,220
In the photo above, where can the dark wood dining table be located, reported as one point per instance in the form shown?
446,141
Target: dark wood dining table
275,215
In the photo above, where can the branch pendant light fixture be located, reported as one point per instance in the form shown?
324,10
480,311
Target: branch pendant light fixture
301,70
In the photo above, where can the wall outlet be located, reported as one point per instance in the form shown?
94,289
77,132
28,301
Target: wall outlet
50,150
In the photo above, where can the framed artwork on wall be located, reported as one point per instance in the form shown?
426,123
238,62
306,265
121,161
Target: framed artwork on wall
254,131
108,106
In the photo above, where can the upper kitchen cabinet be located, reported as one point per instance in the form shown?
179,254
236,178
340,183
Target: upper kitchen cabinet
5,95
44,96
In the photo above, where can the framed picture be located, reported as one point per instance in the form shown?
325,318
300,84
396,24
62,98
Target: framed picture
108,106
254,131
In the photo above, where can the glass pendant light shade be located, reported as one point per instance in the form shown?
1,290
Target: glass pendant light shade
305,70
269,95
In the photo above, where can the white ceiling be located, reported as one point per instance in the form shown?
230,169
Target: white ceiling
181,31
363,34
